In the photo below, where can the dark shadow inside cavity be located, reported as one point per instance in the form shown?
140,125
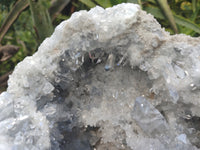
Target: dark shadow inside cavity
80,138
75,139
83,90
193,124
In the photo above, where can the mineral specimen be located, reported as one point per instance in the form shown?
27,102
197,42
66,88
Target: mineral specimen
106,79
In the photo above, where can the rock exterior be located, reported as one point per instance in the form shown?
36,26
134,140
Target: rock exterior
106,79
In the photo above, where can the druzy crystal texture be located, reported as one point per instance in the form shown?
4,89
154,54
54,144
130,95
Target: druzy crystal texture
106,79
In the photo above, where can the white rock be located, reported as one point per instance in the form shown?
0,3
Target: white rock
62,96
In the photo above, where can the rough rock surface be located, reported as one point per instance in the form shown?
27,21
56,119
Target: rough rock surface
106,79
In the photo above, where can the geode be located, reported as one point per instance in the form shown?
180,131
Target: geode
106,79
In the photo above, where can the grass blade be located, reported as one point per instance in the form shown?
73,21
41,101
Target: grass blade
168,13
194,5
155,12
187,23
104,3
178,19
114,2
12,16
88,3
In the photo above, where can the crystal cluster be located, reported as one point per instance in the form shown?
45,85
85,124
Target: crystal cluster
106,79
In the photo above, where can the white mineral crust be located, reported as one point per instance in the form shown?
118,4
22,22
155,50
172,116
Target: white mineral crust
106,79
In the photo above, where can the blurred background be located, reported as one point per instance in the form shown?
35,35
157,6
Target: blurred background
24,24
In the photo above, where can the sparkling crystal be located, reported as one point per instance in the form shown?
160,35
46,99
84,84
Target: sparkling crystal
148,117
179,72
182,138
110,62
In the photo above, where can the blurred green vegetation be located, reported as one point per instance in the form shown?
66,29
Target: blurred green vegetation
176,16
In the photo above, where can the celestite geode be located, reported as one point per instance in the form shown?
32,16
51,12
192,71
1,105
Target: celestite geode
106,79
